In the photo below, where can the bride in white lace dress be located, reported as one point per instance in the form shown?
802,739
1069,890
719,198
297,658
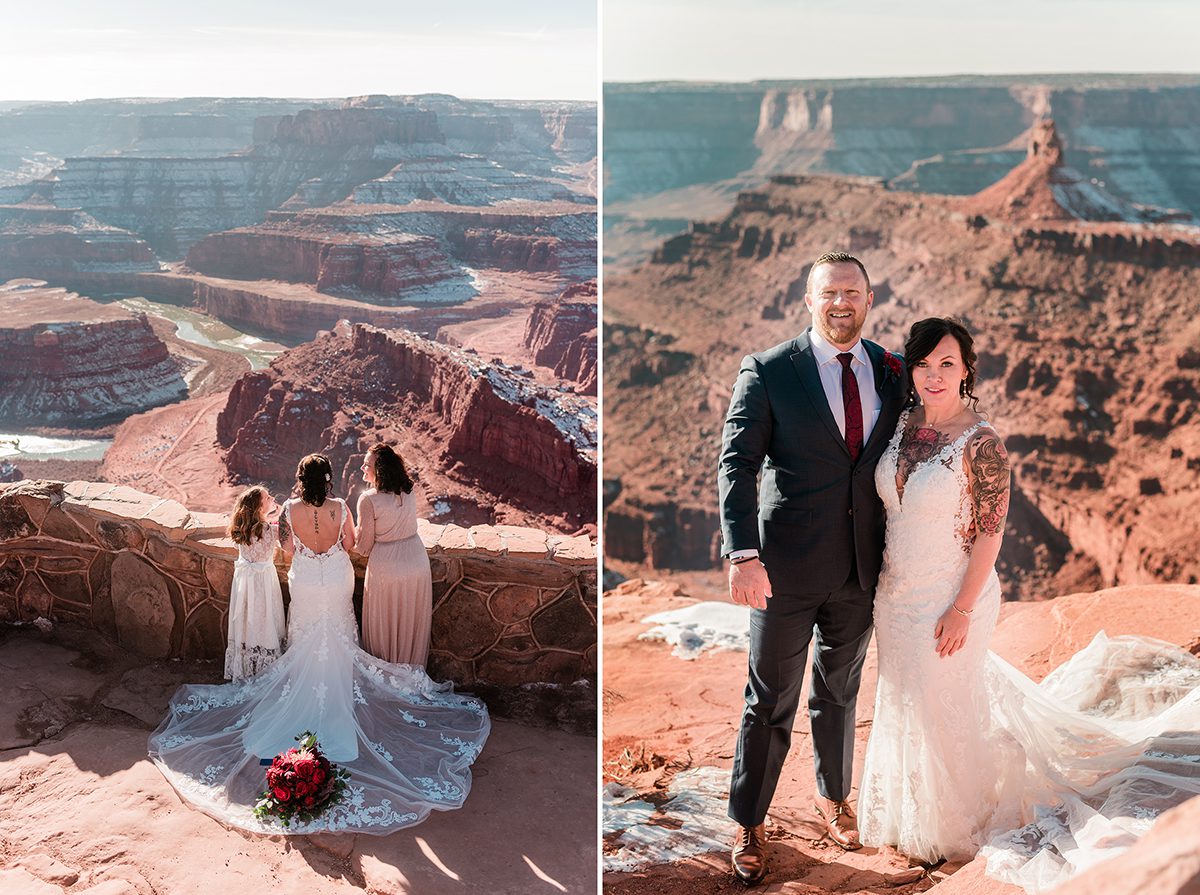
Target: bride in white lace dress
407,741
966,753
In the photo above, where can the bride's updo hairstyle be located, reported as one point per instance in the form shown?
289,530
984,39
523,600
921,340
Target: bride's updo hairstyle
315,476
924,337
390,475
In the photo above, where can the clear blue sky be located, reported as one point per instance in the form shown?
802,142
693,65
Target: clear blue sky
519,49
722,40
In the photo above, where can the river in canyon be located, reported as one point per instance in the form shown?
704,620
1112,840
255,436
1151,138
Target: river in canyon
16,446
191,326
200,329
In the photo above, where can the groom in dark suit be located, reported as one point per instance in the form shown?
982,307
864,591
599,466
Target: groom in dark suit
814,415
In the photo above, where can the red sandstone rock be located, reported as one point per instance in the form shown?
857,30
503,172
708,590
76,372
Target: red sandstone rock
38,240
69,361
333,262
562,335
492,434
1045,188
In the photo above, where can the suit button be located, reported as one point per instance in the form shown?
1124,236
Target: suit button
851,512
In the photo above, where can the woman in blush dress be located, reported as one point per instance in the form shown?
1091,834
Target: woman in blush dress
398,593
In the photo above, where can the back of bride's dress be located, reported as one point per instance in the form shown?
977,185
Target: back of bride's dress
967,754
407,741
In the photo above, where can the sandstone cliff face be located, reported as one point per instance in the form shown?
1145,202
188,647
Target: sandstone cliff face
393,255
299,158
477,424
67,361
1045,188
353,126
36,137
562,335
48,242
1087,366
384,268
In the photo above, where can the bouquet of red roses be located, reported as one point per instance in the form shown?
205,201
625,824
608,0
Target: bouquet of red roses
301,783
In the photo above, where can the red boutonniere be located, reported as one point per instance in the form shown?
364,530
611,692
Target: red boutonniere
893,367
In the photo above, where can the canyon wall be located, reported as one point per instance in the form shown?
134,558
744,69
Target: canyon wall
459,180
383,268
482,428
563,336
173,176
391,255
68,361
514,614
47,242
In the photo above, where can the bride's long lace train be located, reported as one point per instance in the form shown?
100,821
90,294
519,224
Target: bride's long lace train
967,755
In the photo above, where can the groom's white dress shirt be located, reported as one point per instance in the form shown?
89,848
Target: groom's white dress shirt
830,369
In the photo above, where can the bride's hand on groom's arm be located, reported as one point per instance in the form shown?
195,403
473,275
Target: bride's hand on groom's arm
749,584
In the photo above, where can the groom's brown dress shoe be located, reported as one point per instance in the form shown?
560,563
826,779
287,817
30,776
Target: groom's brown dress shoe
750,854
841,823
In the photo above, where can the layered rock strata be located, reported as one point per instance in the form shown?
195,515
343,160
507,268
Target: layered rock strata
382,267
460,180
563,336
68,361
412,148
54,243
393,254
514,609
480,422
1087,366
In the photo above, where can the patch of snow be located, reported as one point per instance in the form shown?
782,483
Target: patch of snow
701,626
691,822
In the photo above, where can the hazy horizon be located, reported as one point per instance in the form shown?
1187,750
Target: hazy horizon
647,41
525,50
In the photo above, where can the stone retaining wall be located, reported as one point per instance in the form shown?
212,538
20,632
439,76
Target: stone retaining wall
514,608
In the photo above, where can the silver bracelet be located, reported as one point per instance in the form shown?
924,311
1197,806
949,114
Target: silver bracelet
966,612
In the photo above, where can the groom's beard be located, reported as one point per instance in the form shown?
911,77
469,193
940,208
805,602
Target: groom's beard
842,331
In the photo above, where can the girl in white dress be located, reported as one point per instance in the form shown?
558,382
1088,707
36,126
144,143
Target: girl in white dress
256,625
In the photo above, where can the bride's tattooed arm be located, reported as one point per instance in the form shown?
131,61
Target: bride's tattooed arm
988,464
285,532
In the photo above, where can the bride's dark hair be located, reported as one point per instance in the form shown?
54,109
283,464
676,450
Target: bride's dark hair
924,337
315,475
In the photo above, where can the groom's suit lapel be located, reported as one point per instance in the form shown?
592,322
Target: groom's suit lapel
806,368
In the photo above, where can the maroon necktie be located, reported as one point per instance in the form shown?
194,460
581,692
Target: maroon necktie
853,407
